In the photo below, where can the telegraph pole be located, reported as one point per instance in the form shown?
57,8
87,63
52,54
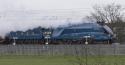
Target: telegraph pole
14,40
86,48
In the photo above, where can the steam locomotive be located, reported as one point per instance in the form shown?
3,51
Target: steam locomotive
93,33
77,34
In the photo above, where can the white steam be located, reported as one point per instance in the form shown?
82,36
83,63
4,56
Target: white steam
24,20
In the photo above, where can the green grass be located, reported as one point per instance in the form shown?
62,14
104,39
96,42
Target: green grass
61,60
33,60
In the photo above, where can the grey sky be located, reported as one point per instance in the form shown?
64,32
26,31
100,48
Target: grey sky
25,14
84,6
52,4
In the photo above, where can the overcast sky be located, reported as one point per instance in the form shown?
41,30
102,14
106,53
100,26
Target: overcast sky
84,6
25,14
53,4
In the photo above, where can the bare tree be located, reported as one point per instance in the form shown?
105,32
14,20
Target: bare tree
110,13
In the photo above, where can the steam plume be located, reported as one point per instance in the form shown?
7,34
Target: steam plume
24,20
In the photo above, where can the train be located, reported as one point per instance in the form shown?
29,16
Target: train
90,33
77,34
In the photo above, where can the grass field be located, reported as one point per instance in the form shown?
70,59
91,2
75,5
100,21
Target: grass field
62,60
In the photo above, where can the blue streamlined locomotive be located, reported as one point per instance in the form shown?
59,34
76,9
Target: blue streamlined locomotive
75,34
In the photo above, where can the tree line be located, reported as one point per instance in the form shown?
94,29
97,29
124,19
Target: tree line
113,15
